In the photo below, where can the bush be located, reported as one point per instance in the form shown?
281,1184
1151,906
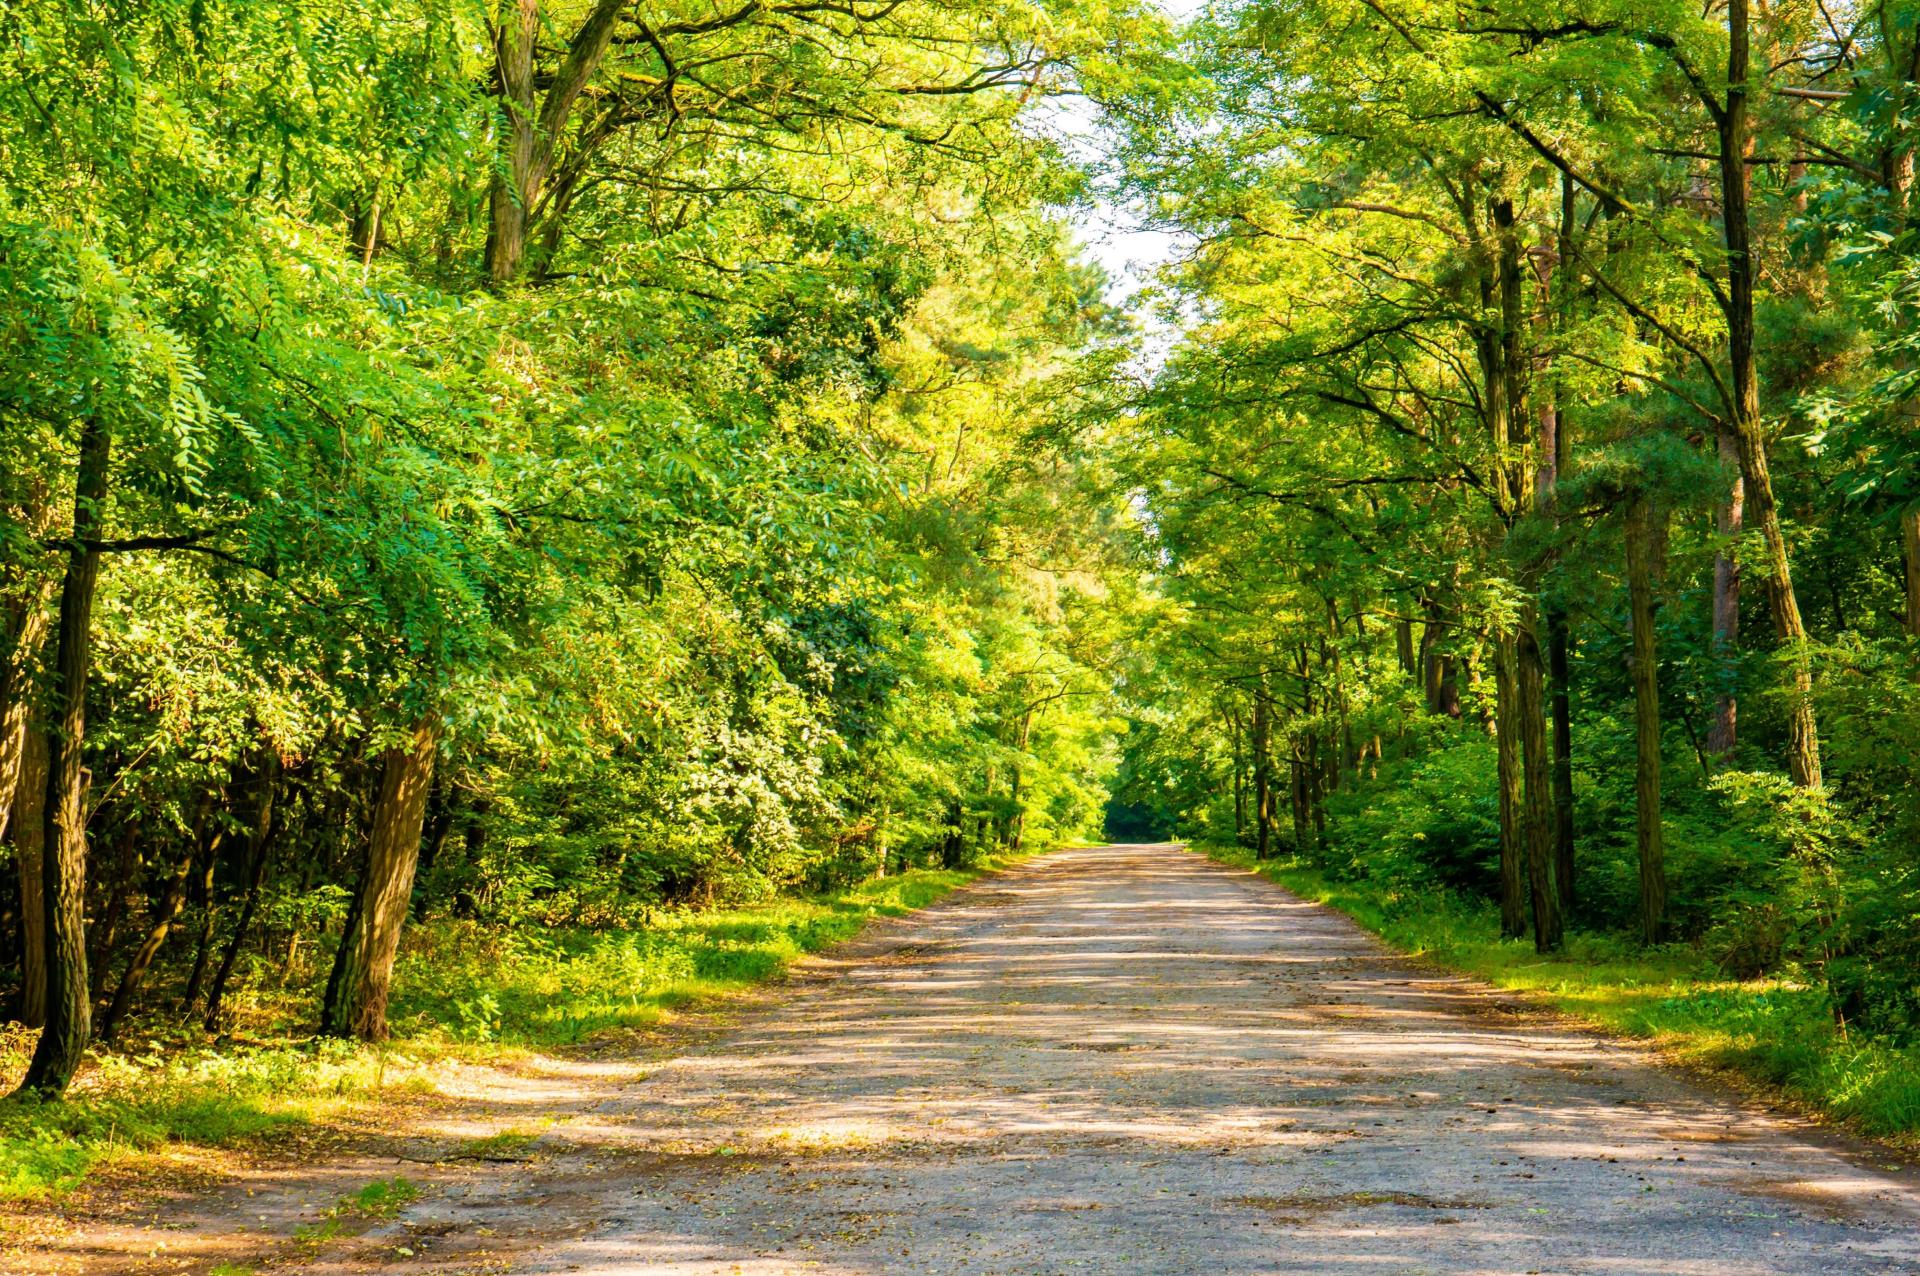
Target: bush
1423,822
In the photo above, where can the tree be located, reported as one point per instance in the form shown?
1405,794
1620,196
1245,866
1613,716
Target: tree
642,547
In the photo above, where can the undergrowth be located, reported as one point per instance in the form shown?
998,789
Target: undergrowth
1778,1031
460,991
539,987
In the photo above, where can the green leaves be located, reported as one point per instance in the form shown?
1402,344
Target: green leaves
734,541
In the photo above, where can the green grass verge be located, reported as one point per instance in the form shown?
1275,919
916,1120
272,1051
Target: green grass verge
460,990
1777,1032
464,983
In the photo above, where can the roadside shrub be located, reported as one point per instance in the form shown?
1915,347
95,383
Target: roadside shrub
1423,822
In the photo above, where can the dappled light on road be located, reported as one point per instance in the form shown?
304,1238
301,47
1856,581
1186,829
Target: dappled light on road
1133,1060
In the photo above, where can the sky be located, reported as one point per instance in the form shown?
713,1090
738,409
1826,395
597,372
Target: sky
1116,236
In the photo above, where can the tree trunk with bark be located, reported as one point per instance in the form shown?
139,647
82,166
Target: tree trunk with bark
1554,275
438,831
1530,697
1729,522
1910,551
356,1003
1239,776
1297,793
69,1020
1344,759
534,122
1261,744
1436,666
1643,535
1736,143
29,847
26,626
1498,348
1513,847
203,946
509,204
1559,643
1316,791
1528,859
1897,172
1017,820
169,912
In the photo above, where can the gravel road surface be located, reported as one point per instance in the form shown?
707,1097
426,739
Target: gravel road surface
1122,1060
1133,1060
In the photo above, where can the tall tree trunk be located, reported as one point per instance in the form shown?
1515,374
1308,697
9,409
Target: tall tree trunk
26,626
510,202
1560,704
1314,765
1430,634
1897,171
69,1023
1239,777
1530,707
1437,673
1297,791
1513,849
29,846
1403,648
1910,551
534,121
1736,140
1262,746
203,946
357,996
363,225
1643,553
1730,521
1344,760
337,973
1554,274
1498,349
1510,423
1449,690
438,831
1316,791
1017,820
479,811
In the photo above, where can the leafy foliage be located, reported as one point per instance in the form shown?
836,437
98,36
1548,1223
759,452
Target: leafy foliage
702,480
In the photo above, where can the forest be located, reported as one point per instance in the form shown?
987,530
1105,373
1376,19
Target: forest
1534,484
487,483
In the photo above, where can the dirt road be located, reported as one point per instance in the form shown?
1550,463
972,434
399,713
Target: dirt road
1132,1060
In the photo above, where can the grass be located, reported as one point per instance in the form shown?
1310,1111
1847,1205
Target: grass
379,1200
382,1198
460,990
507,1145
543,988
126,1106
1776,1032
